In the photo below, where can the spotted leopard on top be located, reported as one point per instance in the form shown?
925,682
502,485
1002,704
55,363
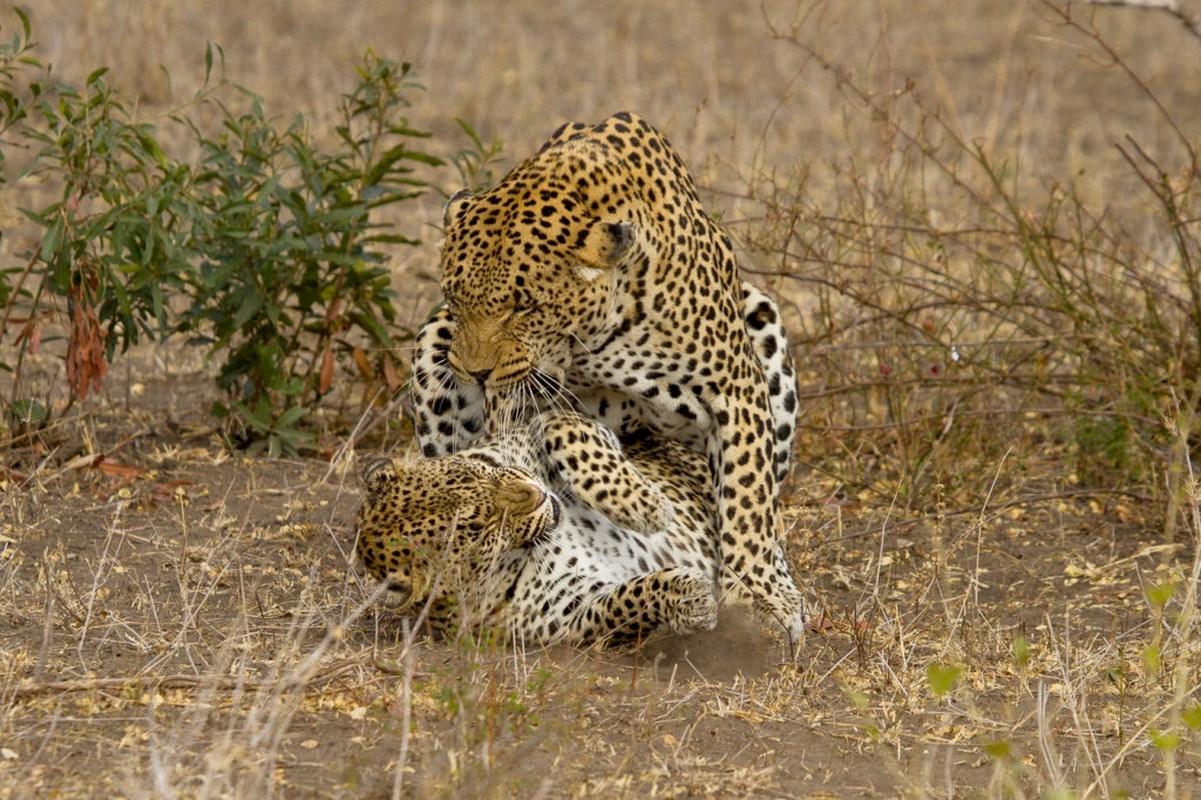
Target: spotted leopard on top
592,278
553,533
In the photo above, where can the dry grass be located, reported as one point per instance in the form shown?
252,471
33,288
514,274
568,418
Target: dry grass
996,503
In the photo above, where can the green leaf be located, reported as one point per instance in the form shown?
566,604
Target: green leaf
29,412
1152,659
471,134
1021,650
151,146
249,303
999,750
943,677
1165,742
26,28
290,417
51,240
123,302
95,76
424,158
373,327
1159,595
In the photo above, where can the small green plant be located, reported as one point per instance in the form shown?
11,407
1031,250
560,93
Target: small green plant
942,678
290,263
1021,651
476,163
1008,769
1104,444
868,724
115,243
110,248
268,251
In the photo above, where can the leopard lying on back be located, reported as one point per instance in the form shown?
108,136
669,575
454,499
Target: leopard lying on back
555,534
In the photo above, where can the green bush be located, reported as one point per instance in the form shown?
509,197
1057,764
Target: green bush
265,251
288,258
115,243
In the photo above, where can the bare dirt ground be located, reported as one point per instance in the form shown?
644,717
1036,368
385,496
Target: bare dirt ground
180,620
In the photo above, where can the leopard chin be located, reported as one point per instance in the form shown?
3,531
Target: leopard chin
396,596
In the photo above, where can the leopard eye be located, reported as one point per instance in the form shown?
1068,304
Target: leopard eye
524,308
524,301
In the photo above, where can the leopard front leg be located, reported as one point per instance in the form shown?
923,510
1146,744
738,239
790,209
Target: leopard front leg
587,458
449,414
753,564
681,599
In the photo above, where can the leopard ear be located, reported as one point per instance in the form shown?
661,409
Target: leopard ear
379,472
454,206
601,246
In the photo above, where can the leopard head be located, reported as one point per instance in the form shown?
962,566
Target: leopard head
442,521
529,267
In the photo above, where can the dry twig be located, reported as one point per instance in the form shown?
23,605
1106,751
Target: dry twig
1172,7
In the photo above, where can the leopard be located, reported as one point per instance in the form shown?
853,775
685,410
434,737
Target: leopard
592,278
555,533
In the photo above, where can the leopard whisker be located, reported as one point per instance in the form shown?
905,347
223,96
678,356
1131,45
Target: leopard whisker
582,344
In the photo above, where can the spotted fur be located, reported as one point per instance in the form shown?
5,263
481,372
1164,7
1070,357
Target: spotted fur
592,278
553,533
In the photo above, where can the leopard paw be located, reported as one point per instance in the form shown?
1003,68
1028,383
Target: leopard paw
694,603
